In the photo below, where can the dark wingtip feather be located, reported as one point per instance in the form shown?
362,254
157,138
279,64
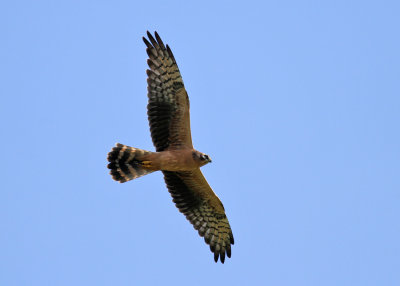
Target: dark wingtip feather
216,255
159,41
152,40
222,256
228,252
146,42
171,54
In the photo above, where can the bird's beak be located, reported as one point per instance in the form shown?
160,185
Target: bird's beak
209,160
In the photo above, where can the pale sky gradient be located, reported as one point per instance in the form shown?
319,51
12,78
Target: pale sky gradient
297,103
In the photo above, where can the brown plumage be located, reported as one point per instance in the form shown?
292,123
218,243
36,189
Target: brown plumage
168,114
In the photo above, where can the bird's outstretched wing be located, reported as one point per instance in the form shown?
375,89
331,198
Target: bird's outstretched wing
168,107
194,198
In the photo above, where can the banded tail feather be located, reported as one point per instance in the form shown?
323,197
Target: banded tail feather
126,163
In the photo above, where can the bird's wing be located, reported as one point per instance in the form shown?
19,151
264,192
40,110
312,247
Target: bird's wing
194,198
168,107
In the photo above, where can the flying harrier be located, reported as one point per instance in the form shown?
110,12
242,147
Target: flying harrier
168,114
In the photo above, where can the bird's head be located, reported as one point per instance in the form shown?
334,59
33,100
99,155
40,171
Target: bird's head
201,158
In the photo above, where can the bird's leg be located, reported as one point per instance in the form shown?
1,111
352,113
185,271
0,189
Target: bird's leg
146,164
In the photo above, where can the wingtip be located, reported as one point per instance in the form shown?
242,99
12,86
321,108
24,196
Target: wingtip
216,255
222,257
148,45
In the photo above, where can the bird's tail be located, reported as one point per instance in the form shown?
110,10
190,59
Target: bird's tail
128,163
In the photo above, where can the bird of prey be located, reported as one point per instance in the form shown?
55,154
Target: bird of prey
168,115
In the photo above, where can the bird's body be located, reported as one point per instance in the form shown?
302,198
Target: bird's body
169,160
169,118
177,160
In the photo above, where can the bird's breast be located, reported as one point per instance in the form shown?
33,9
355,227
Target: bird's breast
177,160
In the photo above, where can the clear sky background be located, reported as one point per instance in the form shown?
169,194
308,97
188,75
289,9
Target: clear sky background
297,103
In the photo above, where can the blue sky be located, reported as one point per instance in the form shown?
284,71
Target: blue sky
297,103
